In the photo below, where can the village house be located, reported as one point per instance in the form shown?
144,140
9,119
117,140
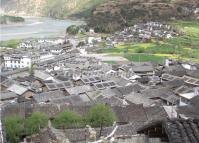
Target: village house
144,32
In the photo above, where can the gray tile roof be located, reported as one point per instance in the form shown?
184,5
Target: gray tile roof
2,78
48,96
130,113
79,89
8,95
57,86
138,98
42,75
142,67
176,130
8,82
79,135
18,89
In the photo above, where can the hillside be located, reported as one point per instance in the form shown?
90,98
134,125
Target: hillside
116,14
22,7
104,15
51,8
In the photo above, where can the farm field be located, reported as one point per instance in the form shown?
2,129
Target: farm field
10,43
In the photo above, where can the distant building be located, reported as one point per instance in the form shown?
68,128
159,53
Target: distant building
92,31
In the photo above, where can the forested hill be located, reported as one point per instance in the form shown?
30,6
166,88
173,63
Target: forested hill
116,14
51,8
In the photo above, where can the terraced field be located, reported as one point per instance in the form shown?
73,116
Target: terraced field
185,47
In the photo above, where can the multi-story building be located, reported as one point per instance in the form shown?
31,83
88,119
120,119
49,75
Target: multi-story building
25,60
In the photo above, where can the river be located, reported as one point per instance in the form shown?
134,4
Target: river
36,27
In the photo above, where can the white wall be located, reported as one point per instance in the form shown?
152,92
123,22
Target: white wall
25,61
14,63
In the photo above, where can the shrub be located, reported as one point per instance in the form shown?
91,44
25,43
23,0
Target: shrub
35,122
140,50
100,115
14,129
72,30
67,119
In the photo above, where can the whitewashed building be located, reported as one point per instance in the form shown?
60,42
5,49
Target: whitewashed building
21,61
17,61
56,50
25,45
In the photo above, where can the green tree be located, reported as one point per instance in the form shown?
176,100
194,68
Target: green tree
35,122
67,119
14,129
81,43
101,115
72,30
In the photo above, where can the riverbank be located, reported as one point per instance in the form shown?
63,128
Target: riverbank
8,19
37,27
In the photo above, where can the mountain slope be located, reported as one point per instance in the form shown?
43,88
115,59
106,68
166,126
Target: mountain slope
52,8
116,14
26,7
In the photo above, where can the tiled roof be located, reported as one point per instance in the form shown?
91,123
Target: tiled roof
17,89
2,78
48,96
130,113
155,113
110,100
8,95
56,86
190,80
8,82
137,98
80,135
79,89
176,130
182,131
